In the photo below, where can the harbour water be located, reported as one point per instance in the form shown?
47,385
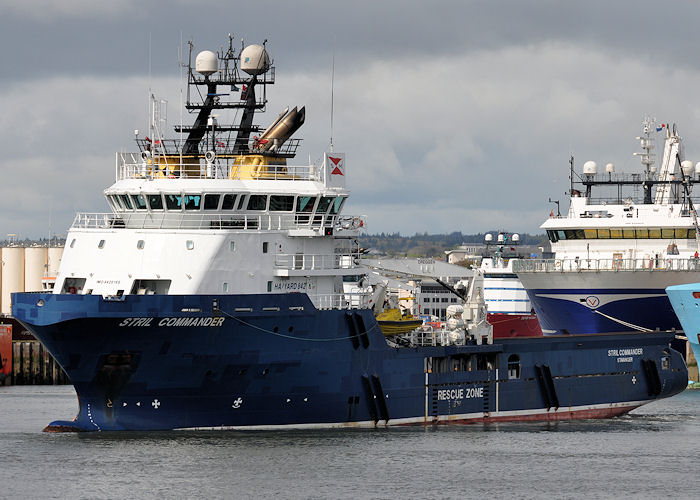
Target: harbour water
651,453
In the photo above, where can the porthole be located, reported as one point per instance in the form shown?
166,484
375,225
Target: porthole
190,244
101,244
140,244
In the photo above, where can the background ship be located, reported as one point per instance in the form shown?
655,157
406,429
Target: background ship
509,308
616,253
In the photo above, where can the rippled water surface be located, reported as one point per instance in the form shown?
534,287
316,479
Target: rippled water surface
654,452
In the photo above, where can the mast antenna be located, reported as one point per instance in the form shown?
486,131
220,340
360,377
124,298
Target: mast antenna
332,90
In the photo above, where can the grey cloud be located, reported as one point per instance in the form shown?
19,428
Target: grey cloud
454,115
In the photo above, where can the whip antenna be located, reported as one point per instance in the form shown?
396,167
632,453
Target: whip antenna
332,90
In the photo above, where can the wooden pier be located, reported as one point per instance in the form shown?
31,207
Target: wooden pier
33,365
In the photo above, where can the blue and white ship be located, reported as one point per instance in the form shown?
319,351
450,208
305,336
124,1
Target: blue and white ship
213,297
685,300
616,250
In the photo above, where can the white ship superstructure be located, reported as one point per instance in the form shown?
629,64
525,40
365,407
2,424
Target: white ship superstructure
220,211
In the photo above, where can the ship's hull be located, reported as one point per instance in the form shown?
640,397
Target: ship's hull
687,308
158,362
514,325
606,301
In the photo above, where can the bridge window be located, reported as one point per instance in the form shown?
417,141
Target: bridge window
574,234
189,244
140,244
211,201
323,204
228,202
192,201
305,204
621,233
337,203
280,203
101,244
114,201
155,201
241,201
257,202
513,366
173,201
126,201
139,201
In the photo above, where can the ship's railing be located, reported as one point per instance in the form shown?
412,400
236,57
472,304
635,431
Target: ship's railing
359,300
598,265
201,220
310,262
132,166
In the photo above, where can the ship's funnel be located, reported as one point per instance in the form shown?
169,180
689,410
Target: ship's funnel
276,135
273,124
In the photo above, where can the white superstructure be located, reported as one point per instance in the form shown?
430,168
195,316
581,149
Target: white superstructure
218,213
624,230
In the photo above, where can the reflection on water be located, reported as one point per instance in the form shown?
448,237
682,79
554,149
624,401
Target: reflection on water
646,454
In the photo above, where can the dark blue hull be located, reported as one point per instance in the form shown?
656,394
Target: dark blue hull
255,361
561,316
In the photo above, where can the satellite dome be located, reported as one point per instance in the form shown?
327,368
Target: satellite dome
687,167
488,237
516,237
206,63
610,168
255,60
590,168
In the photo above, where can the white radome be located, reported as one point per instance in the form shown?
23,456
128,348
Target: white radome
206,63
590,168
255,60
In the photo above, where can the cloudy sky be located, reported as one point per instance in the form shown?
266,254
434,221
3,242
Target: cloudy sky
454,115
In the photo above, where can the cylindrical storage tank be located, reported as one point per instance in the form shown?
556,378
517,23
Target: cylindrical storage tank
54,260
34,267
12,276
